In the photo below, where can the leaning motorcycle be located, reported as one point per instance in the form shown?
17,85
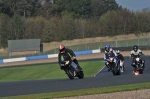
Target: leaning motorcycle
139,64
72,70
115,66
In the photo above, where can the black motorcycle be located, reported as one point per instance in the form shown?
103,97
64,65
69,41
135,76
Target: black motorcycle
72,70
139,64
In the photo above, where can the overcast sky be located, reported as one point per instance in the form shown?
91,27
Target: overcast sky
134,4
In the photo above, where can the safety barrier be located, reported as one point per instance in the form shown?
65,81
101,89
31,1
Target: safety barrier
45,56
36,57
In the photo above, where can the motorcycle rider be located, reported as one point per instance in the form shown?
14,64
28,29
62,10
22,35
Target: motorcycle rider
66,53
107,53
134,53
121,57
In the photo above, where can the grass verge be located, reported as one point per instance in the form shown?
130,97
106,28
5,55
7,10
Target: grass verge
45,71
82,92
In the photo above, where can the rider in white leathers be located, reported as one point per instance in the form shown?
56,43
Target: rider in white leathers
108,51
136,52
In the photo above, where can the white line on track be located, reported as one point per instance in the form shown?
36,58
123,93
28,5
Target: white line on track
99,71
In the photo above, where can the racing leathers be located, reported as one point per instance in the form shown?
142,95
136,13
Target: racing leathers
120,56
67,55
135,54
107,55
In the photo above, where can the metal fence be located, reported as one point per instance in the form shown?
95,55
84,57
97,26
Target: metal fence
86,44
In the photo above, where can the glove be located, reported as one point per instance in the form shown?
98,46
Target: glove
106,60
73,58
131,55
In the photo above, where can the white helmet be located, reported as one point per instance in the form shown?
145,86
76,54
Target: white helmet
117,52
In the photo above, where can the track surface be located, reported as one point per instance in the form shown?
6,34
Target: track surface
102,79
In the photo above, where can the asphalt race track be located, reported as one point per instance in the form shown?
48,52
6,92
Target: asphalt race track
102,79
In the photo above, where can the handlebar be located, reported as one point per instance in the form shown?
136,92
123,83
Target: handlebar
135,56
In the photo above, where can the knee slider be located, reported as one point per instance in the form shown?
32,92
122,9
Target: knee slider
143,61
133,63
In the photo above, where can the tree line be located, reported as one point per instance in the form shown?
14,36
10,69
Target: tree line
67,20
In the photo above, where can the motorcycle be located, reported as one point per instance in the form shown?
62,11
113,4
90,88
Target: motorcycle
139,65
115,66
72,70
120,66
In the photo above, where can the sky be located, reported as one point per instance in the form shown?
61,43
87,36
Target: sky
134,5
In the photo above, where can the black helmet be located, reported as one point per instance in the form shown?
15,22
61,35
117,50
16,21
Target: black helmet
107,47
61,48
135,48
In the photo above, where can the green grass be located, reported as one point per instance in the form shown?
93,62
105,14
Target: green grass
45,71
82,92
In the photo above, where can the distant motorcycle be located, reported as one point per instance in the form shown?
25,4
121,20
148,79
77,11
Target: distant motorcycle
72,70
115,66
120,66
139,64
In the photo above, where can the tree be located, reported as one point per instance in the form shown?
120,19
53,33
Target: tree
117,22
99,7
67,28
4,32
51,30
76,8
17,27
143,21
46,9
34,28
24,8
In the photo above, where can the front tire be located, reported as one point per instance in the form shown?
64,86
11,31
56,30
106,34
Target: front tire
141,71
70,73
81,75
120,70
113,68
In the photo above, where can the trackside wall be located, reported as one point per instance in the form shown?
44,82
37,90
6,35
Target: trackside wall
45,56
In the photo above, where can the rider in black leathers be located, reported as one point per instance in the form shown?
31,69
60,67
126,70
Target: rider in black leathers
121,57
66,53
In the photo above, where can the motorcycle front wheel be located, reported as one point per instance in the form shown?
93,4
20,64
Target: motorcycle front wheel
113,69
70,73
81,75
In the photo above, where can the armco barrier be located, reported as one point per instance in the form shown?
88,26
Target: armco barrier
1,61
83,52
96,51
46,56
36,57
52,55
14,59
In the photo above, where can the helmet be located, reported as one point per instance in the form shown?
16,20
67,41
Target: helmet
117,52
135,48
61,48
107,46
